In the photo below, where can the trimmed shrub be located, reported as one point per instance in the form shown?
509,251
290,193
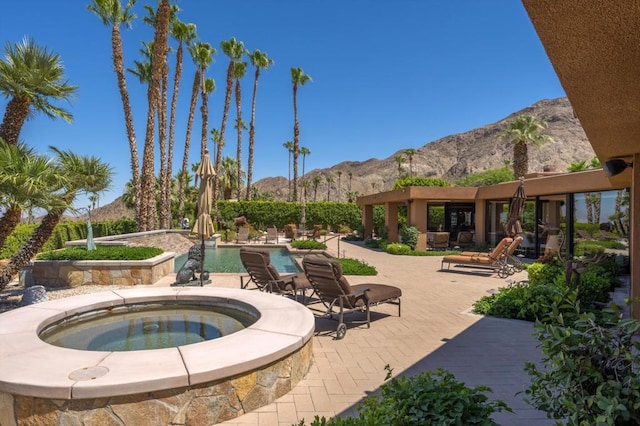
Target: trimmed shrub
102,253
398,248
410,236
308,245
356,267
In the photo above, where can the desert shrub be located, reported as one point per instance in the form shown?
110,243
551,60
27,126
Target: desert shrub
357,267
102,253
410,236
546,272
308,245
589,372
351,237
372,242
428,398
398,248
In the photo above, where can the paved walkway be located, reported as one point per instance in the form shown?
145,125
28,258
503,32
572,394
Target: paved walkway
436,329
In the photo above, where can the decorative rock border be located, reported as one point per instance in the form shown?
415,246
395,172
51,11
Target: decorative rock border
74,273
202,383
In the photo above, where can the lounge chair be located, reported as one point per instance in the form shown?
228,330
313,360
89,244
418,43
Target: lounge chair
315,233
242,236
509,255
265,276
272,235
333,289
290,231
440,241
495,259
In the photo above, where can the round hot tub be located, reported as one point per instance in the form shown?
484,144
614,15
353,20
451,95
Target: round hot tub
187,383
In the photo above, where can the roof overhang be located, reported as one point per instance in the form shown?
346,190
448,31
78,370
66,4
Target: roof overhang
594,47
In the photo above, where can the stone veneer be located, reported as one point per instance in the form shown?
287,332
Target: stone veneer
74,273
203,404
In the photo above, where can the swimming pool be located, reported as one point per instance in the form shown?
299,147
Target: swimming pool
227,259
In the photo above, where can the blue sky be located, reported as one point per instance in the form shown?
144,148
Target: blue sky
387,75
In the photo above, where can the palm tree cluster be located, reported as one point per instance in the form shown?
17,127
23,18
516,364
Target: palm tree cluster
522,131
153,71
32,78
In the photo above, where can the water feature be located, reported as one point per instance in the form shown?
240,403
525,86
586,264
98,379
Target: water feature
227,259
147,326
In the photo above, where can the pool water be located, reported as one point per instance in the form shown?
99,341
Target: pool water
227,259
146,326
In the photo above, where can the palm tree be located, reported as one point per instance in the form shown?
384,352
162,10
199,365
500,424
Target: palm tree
410,152
208,87
304,151
350,174
234,49
158,70
26,182
260,61
400,160
523,130
316,183
82,175
184,34
31,77
202,56
239,71
113,13
339,186
229,177
288,145
329,182
298,78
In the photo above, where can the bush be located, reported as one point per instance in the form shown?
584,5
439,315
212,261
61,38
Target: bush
356,267
308,245
102,253
589,373
546,272
410,236
398,248
428,398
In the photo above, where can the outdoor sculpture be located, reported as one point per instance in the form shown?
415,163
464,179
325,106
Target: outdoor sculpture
187,273
239,221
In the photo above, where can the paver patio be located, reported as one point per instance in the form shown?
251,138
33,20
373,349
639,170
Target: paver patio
436,329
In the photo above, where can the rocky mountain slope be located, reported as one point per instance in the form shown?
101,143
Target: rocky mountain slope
450,158
456,156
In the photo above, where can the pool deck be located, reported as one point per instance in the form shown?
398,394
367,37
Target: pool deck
436,329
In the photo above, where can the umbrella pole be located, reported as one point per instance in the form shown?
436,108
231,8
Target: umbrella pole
201,260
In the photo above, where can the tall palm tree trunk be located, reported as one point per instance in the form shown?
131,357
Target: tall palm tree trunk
118,65
252,134
520,159
165,174
223,126
296,143
239,143
158,64
187,141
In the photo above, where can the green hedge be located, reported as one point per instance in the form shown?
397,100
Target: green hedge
263,214
102,253
63,232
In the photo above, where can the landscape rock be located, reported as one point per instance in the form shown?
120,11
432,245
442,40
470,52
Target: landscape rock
34,294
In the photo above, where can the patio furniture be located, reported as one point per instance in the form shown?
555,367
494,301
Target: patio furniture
315,233
242,236
290,231
440,241
510,258
266,277
464,239
333,289
272,235
495,259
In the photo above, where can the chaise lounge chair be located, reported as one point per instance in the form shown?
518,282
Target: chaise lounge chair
333,289
264,275
242,236
440,241
495,259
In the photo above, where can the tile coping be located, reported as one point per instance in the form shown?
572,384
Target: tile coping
35,368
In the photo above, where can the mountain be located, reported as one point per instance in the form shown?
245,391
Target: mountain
450,158
456,156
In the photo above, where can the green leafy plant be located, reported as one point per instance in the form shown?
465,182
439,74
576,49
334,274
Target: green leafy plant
102,253
428,398
308,245
589,373
410,236
357,267
398,249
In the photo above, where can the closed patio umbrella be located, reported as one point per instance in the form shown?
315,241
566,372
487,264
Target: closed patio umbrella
516,208
203,225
